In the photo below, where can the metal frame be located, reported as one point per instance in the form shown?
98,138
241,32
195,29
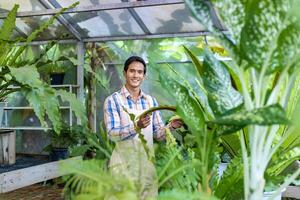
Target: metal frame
80,73
137,18
75,29
102,7
62,20
129,37
53,7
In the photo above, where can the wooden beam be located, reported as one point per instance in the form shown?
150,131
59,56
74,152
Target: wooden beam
13,180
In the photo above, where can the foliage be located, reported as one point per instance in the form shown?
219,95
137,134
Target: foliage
176,167
265,54
68,137
179,194
229,186
14,72
97,143
88,180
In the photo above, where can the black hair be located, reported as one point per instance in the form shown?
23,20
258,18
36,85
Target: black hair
132,59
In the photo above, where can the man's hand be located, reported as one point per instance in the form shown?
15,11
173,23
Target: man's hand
176,123
144,121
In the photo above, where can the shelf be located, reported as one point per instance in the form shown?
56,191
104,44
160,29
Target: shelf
68,87
28,107
54,86
34,128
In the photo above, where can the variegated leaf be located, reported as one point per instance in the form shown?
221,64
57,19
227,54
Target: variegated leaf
221,95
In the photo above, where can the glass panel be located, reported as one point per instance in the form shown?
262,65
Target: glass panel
107,23
103,23
25,5
169,19
84,3
54,31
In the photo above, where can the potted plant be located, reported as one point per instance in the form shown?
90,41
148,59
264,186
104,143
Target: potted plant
265,70
60,143
53,66
19,74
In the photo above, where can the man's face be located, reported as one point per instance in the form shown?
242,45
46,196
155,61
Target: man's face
134,75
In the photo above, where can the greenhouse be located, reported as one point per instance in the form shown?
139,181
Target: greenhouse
150,99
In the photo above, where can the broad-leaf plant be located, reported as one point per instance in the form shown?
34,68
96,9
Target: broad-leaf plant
17,74
253,95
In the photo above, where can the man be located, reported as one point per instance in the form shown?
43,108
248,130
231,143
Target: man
121,129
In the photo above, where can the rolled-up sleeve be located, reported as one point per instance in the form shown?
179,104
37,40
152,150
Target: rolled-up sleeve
117,128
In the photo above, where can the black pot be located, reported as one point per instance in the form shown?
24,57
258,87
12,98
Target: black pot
57,79
59,154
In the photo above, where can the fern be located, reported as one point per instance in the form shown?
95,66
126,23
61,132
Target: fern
180,195
176,168
88,180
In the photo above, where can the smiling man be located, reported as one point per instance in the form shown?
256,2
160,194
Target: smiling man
126,158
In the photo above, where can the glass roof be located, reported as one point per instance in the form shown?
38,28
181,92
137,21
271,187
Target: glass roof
101,20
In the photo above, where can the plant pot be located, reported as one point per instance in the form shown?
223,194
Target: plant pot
59,154
268,195
57,79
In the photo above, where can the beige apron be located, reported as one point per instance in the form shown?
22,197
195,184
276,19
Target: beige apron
130,160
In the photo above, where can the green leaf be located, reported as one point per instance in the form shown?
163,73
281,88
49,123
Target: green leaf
268,115
231,184
232,13
231,143
76,106
40,96
201,11
288,48
179,195
196,62
8,25
216,79
264,22
21,75
79,150
52,107
187,107
36,32
37,102
100,77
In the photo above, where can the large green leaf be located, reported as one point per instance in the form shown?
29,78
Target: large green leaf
37,103
187,106
8,25
6,31
264,22
75,105
268,115
221,95
288,48
40,96
196,62
231,184
232,13
43,100
21,75
201,11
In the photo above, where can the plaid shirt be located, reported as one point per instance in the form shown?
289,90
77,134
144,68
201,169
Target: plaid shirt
117,122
